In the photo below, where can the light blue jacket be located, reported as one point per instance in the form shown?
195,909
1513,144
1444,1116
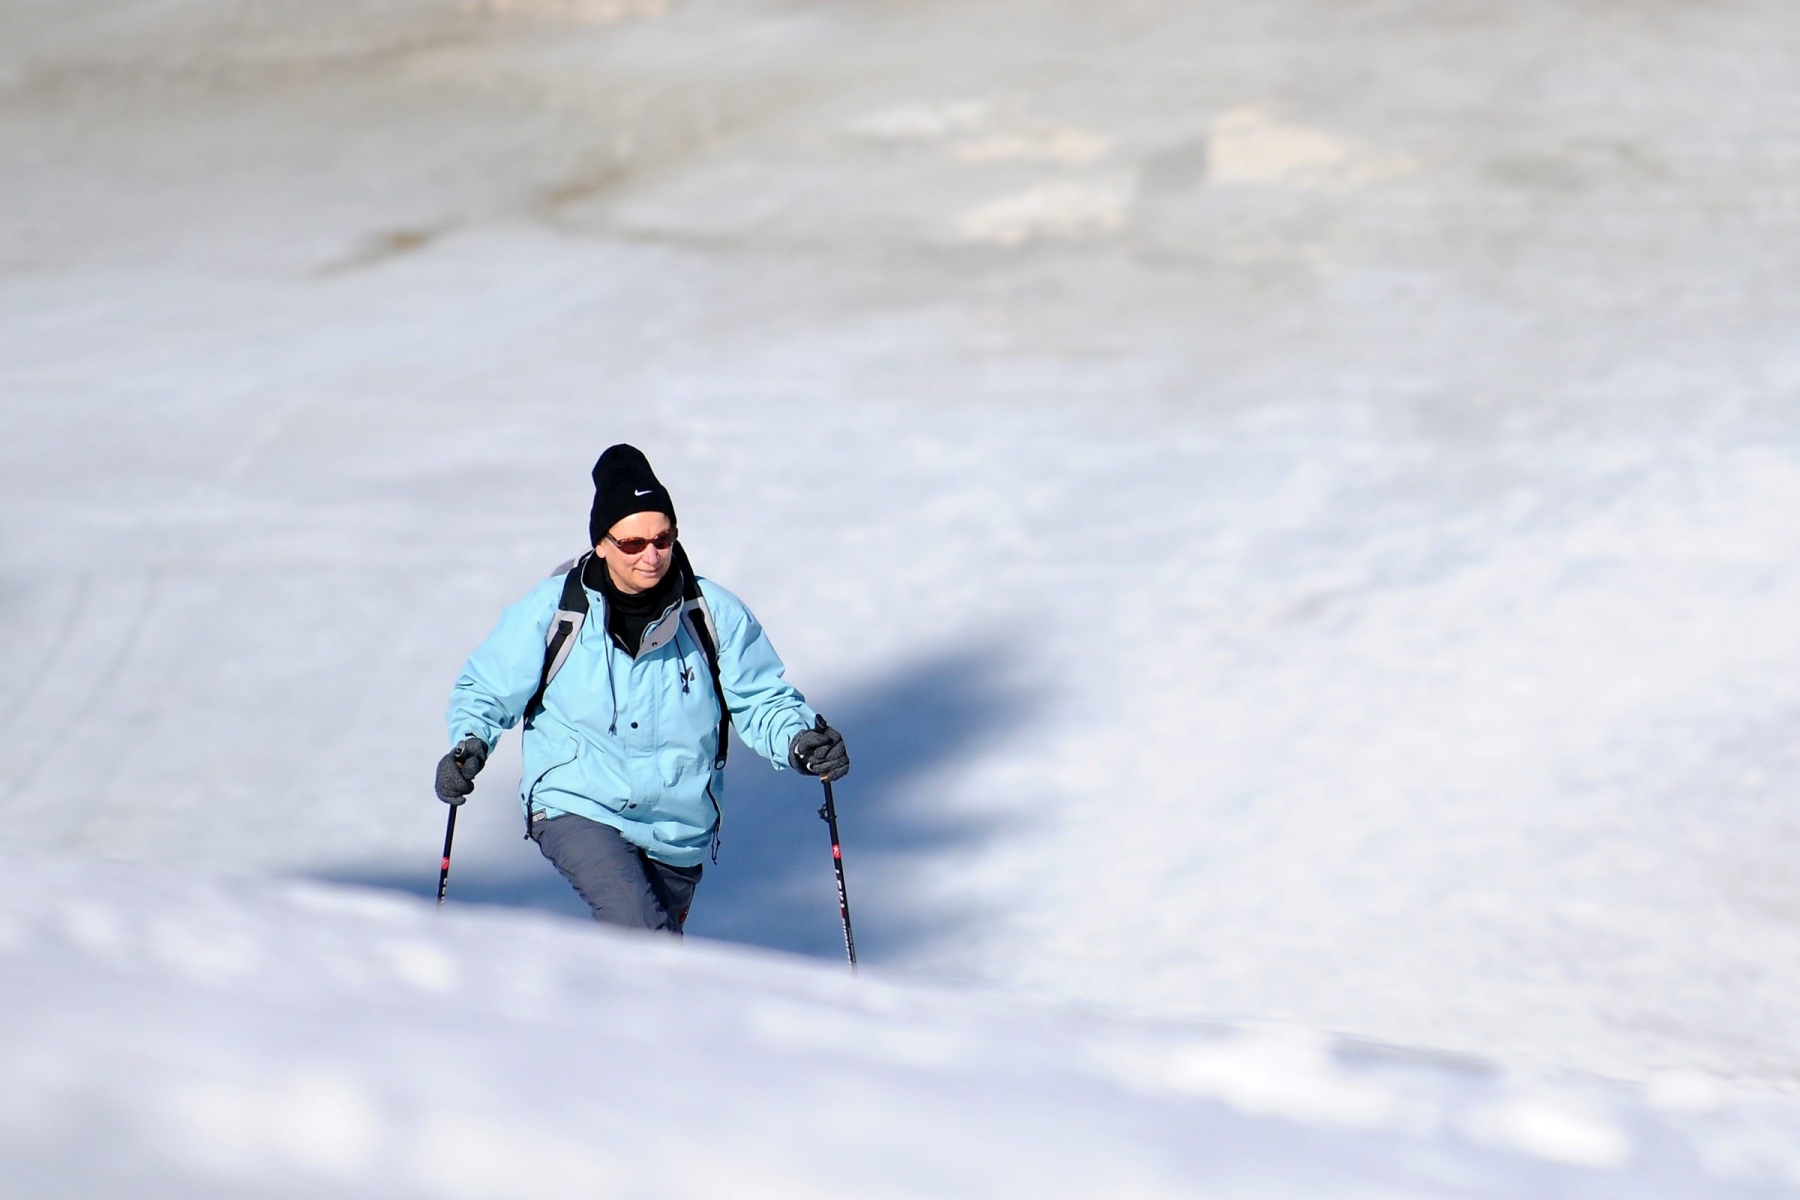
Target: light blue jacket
629,742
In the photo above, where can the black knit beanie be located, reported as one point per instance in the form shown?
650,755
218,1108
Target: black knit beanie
624,484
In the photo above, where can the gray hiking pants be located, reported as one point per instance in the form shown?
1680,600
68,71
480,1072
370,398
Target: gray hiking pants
622,884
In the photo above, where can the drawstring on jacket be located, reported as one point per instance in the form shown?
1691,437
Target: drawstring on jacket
612,688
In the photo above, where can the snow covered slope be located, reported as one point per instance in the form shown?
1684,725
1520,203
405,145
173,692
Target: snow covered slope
178,1037
1291,502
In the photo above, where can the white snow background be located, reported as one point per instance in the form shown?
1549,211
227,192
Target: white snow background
1292,505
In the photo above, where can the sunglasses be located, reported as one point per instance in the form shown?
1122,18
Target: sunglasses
661,541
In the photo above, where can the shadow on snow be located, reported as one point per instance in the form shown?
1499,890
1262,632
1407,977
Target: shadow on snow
773,885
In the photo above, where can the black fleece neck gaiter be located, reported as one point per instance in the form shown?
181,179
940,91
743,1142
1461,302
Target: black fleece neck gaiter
628,614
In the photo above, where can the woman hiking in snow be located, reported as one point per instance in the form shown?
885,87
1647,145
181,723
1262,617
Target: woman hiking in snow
627,670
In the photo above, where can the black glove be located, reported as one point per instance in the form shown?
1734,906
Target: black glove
457,770
820,751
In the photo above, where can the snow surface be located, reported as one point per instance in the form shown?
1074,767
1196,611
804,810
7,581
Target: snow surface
180,1037
1291,503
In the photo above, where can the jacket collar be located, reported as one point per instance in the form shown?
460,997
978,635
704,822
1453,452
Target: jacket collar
659,631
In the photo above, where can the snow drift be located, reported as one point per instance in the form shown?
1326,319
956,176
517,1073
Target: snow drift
172,1036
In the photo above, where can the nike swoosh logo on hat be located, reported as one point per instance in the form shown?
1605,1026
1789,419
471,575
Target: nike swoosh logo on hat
643,492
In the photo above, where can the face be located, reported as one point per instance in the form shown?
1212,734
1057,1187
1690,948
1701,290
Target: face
640,572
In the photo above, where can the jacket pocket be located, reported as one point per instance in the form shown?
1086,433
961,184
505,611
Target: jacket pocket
570,751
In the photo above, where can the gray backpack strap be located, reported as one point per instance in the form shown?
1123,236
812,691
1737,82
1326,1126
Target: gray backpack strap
571,611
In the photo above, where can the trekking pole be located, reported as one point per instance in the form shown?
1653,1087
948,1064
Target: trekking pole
828,814
444,870
449,836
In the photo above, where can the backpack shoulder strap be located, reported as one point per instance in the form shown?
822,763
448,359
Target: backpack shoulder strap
571,611
699,621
